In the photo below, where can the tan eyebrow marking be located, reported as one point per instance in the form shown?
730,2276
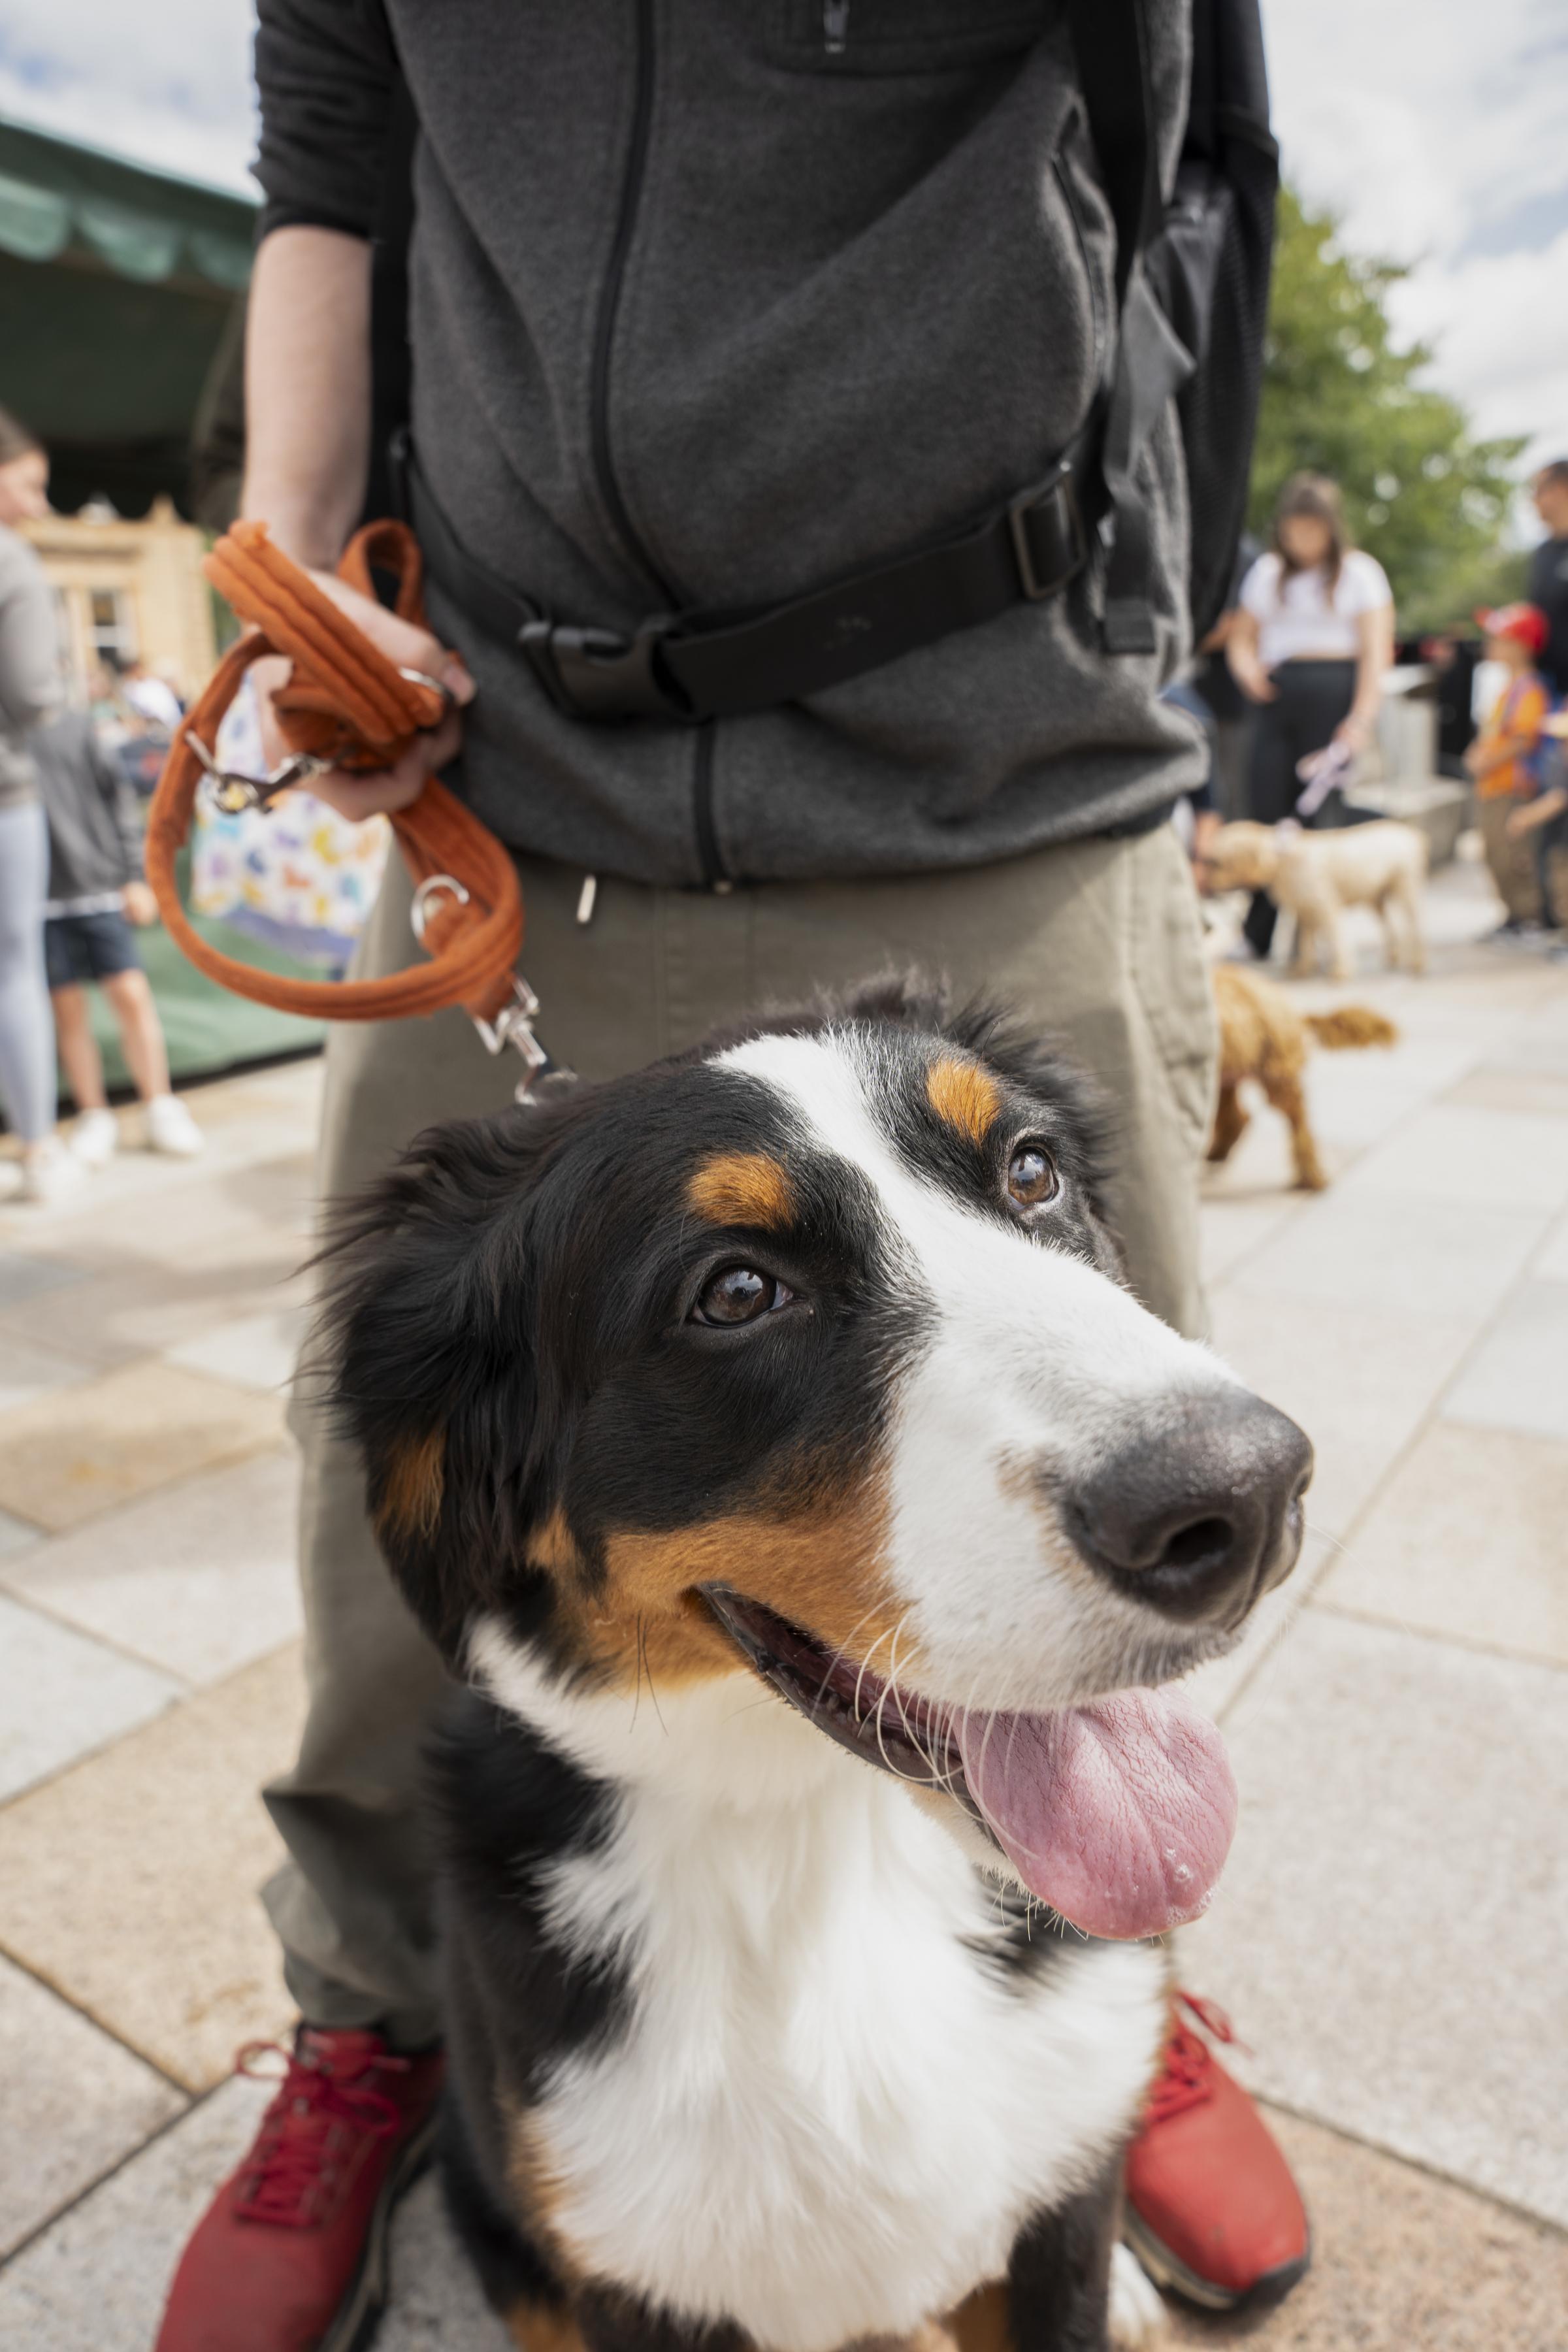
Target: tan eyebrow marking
414,1485
963,1096
742,1188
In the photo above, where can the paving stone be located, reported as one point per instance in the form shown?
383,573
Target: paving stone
200,1577
23,1275
1231,1228
1498,1159
1359,1380
97,2281
139,1305
61,1696
16,1535
131,1881
435,2304
1517,1378
259,1352
70,1456
1466,1540
1432,1258
26,1371
1487,1088
1401,2263
76,2102
1552,1265
1389,1931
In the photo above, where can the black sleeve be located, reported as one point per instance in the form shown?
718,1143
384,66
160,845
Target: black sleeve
324,71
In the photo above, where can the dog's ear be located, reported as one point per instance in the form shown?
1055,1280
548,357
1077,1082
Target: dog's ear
425,1351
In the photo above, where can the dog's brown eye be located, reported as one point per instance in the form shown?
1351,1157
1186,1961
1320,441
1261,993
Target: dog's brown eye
740,1295
1031,1175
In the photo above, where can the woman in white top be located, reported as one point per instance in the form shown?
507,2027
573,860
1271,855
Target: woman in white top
1310,645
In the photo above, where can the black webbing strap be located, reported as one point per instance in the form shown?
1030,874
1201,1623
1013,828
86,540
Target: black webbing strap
1110,39
695,666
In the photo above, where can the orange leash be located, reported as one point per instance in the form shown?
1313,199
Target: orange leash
346,705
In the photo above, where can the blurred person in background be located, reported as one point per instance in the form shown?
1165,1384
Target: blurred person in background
96,893
1310,644
29,692
150,695
1548,585
1506,761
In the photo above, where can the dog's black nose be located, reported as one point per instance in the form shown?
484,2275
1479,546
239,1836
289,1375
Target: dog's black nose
1200,1511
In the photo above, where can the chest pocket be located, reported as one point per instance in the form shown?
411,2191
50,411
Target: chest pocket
890,37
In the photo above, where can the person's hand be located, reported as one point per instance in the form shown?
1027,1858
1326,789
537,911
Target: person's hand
358,794
140,904
1354,732
1254,681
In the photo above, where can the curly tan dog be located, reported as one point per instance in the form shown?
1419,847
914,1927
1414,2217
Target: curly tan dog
1262,1036
1313,875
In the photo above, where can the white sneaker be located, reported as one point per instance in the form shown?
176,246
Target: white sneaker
49,1171
95,1138
171,1128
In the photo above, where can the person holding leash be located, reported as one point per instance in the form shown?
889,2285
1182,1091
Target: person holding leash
1311,643
794,455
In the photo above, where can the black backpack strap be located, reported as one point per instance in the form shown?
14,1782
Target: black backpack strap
1111,38
1112,42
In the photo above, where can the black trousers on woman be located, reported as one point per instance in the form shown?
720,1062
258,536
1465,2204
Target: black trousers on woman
1311,699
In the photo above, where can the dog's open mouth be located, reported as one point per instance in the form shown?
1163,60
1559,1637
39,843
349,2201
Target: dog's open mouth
1119,1813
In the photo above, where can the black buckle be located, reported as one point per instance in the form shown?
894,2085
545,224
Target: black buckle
599,674
1048,540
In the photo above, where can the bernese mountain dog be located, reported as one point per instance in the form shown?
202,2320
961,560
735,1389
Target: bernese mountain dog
816,1522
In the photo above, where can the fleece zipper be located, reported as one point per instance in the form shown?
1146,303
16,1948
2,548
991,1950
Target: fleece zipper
609,307
703,822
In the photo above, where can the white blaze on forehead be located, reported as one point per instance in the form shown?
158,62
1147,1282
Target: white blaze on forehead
1035,1367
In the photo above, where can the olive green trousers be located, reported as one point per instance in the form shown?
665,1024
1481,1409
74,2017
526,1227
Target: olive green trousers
1097,943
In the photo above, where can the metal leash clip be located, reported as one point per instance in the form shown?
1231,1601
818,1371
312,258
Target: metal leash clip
513,1025
234,793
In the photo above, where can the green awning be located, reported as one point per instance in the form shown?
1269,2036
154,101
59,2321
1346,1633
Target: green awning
145,225
117,285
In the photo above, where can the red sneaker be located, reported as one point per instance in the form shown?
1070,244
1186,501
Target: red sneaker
1212,2211
290,2256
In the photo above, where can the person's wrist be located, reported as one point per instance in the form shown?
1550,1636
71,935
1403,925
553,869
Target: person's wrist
297,528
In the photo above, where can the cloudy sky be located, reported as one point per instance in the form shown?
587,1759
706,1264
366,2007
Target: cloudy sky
1439,128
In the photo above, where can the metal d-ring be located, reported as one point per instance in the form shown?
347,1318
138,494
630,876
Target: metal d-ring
432,886
437,686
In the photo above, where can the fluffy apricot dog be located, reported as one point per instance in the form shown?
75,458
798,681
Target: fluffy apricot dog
1313,876
1262,1036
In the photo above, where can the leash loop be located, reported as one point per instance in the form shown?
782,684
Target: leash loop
346,705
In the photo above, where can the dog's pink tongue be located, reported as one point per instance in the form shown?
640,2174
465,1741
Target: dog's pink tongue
1119,1815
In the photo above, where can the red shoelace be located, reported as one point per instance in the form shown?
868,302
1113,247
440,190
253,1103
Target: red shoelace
309,2129
1186,2080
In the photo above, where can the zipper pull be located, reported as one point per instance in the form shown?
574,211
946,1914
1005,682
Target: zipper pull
834,27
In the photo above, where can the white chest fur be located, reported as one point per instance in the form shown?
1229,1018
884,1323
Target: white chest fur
828,2118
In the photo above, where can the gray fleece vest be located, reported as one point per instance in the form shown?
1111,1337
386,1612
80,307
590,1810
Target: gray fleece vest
712,300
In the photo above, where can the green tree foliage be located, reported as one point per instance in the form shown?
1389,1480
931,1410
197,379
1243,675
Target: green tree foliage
1428,499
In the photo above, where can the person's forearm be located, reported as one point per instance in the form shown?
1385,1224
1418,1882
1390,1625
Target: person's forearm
1373,663
307,390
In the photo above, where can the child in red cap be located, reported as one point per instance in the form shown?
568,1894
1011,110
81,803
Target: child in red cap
1505,761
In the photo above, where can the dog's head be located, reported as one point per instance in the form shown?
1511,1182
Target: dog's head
1240,856
809,1351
